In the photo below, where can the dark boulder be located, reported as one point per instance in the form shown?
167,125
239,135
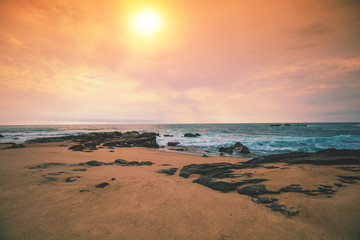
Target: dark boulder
77,147
71,179
238,144
170,171
173,144
94,163
51,179
80,169
168,135
132,163
1,136
102,185
90,145
243,149
228,150
192,135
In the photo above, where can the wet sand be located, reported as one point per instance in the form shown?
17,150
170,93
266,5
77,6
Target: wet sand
139,203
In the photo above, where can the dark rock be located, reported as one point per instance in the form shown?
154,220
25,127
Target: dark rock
228,150
165,164
255,190
71,179
216,185
339,185
205,155
349,177
51,179
63,145
292,188
112,179
147,163
94,163
243,149
282,209
168,135
214,170
54,174
170,171
172,144
274,125
191,135
14,145
265,200
50,139
273,167
87,151
177,149
46,165
80,169
238,144
111,151
77,147
90,145
132,163
325,190
102,185
1,136
252,180
350,169
84,190
322,157
118,143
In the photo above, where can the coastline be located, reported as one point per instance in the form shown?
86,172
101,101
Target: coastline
140,203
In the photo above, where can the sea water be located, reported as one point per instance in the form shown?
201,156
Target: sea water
260,138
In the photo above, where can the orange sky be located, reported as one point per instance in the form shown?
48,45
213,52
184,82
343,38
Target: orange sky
212,61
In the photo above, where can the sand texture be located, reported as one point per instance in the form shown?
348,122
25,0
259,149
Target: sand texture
50,192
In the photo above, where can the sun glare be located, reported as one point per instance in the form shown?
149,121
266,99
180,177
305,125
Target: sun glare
147,22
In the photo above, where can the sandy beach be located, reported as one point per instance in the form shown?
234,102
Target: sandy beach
55,202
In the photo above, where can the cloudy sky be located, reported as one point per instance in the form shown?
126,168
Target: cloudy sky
82,61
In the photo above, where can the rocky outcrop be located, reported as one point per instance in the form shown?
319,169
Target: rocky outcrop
14,145
1,136
169,171
242,149
228,150
78,147
192,135
255,190
90,141
122,162
329,156
238,147
173,144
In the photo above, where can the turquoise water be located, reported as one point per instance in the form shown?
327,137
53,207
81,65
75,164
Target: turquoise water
261,139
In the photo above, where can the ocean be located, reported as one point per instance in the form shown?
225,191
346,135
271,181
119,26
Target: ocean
260,138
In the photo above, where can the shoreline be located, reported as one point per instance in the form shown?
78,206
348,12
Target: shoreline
141,203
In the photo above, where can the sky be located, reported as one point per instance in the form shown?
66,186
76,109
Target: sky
229,61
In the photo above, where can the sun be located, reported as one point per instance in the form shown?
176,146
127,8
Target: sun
147,22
